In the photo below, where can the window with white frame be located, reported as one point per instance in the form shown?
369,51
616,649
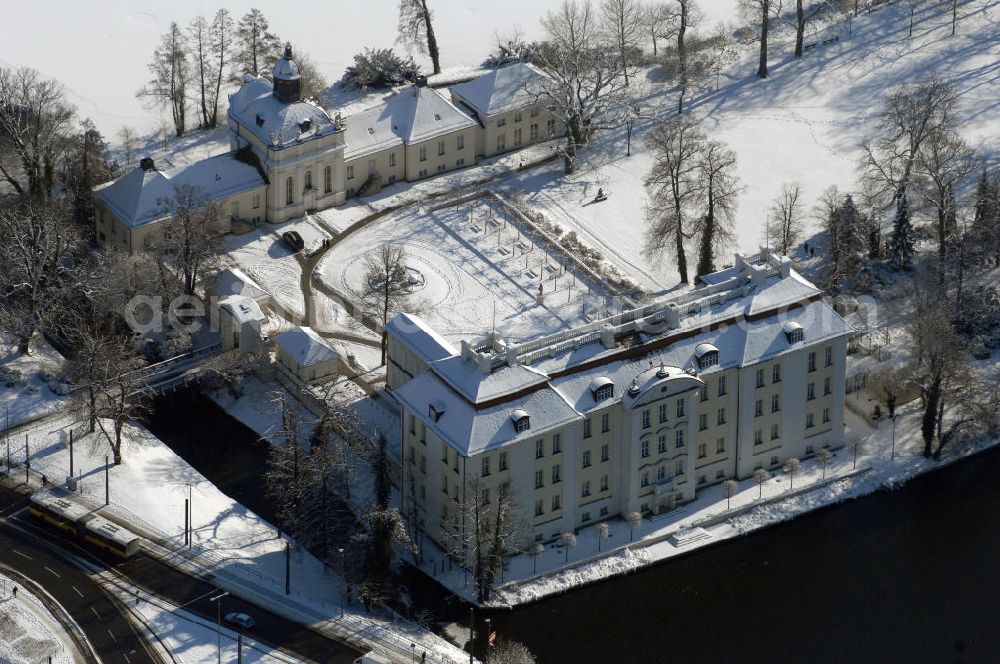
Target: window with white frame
645,449
604,453
423,154
539,479
702,421
720,445
679,437
720,417
586,458
829,356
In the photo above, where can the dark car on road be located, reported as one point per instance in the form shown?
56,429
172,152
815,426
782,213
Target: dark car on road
241,619
293,240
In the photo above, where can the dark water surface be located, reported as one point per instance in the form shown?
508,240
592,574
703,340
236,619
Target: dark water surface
903,576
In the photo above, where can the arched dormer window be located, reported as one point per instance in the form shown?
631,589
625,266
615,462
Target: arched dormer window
707,355
602,388
521,421
793,331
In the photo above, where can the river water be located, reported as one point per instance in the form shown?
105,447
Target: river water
902,576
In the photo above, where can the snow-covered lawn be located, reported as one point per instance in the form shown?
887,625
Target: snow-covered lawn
804,123
25,394
465,260
29,633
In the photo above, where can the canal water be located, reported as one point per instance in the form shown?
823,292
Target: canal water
904,576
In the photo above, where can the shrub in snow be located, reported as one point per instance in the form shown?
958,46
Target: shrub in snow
379,68
979,315
11,377
979,348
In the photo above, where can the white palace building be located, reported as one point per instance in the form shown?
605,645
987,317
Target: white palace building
636,412
289,156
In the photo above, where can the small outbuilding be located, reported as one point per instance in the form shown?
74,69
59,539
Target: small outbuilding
306,356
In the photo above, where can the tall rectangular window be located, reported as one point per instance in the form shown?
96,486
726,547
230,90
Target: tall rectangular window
775,433
604,453
517,136
721,416
605,422
556,502
604,482
645,449
309,180
586,428
534,131
758,437
503,461
289,194
722,385
680,408
679,437
586,458
327,180
556,443
350,172
829,355
826,386
776,373
486,466
702,421
812,362
392,159
775,403
440,148
501,142
810,391
556,474
758,408
585,490
460,142
702,450
663,413
760,378
423,153
539,448
720,445
539,479
645,419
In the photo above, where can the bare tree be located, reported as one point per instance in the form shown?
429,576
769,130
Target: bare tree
123,394
785,221
602,531
220,44
911,114
127,136
730,487
720,193
485,531
386,289
674,188
792,467
202,64
684,19
536,552
257,48
856,447
658,19
761,12
587,79
943,166
416,28
824,455
510,652
171,77
36,269
802,15
568,541
192,239
313,83
35,117
761,476
622,23
632,519
939,369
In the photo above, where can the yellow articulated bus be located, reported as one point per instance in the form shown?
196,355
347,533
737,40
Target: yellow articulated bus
66,514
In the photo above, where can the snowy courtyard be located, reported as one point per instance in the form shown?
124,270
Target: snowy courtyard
29,633
468,259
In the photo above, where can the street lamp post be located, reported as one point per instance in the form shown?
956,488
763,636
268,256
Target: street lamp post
343,574
218,621
893,457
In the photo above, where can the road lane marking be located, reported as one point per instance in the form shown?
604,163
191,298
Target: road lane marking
96,613
78,591
53,572
111,634
23,555
127,660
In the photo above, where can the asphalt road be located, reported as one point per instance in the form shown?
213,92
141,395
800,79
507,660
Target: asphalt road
110,633
101,619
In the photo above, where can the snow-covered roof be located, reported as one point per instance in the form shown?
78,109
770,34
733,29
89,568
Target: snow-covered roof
470,430
412,115
143,196
285,68
419,337
305,347
464,376
505,89
233,281
243,309
276,123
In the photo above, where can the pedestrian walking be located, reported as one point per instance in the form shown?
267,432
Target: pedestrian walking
15,592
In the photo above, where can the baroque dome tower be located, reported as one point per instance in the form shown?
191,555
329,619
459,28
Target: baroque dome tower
287,81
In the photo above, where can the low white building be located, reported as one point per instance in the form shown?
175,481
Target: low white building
634,413
305,355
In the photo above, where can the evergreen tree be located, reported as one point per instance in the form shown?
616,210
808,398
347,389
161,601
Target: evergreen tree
257,48
86,166
901,241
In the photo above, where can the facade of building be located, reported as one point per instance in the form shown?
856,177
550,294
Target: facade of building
635,413
511,108
305,355
289,156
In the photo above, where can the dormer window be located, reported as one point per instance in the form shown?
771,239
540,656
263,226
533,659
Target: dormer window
435,410
602,388
707,355
521,421
793,331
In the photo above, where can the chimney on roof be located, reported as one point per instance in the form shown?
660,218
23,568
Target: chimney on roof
673,316
784,266
147,164
608,336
